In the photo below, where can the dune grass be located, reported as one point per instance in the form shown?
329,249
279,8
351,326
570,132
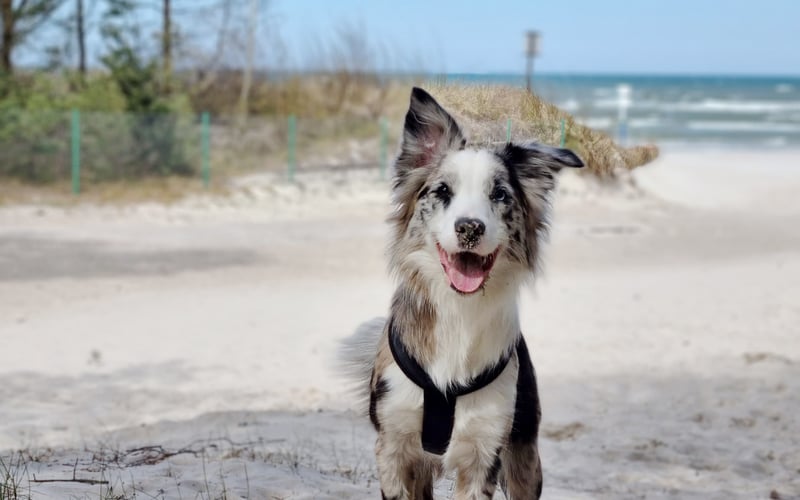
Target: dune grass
484,112
484,109
13,473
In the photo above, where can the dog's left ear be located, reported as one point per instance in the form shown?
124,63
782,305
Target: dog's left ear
534,155
554,158
532,161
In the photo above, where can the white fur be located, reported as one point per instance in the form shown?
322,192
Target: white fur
356,356
471,173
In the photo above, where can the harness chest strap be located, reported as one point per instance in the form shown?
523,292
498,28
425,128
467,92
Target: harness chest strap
439,408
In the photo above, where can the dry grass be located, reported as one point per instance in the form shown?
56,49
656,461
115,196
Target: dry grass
164,190
484,109
13,473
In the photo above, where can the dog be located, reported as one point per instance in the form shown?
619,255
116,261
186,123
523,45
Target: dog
448,377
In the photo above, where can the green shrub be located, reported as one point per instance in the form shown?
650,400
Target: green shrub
122,135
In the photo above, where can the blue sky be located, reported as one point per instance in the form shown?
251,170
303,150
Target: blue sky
609,36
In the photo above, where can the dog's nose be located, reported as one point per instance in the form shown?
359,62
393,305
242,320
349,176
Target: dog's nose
469,229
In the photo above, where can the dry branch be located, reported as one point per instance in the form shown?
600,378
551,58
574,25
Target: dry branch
82,481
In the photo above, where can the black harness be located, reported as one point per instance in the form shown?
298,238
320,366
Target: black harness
439,408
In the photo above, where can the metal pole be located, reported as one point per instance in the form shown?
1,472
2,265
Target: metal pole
531,51
384,140
292,144
205,136
528,72
76,151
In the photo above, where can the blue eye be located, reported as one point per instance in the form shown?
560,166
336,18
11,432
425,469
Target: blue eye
499,195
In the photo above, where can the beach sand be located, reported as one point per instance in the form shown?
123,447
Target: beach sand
186,351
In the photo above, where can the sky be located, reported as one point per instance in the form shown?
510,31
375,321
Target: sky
577,36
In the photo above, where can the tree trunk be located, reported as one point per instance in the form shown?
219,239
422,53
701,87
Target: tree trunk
166,45
7,42
81,33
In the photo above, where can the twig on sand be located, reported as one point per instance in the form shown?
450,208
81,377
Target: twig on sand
73,480
152,455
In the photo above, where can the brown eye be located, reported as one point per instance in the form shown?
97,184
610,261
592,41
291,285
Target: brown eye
443,192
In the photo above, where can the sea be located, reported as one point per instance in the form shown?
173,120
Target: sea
673,110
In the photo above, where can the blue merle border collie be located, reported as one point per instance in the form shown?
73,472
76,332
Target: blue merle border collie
449,380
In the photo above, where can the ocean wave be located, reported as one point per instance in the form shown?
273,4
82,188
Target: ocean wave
570,105
741,126
706,106
598,123
604,91
651,122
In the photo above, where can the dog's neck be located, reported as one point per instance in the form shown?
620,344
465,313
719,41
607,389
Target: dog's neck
456,337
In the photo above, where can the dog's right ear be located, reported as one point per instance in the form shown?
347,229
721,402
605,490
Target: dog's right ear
428,134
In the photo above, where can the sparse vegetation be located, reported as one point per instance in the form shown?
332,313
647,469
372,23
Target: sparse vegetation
219,469
485,110
13,476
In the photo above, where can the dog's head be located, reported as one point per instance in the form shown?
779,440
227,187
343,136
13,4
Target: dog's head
466,215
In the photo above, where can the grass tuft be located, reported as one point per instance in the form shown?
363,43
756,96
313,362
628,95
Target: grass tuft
13,472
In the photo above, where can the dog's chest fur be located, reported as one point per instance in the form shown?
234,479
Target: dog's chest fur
469,334
481,417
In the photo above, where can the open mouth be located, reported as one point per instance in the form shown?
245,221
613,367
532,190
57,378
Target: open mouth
467,271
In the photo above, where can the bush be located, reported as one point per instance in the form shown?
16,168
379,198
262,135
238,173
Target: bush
120,136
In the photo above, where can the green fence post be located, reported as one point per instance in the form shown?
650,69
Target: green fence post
76,151
563,133
384,140
205,135
508,129
292,144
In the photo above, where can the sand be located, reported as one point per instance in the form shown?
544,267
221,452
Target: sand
185,351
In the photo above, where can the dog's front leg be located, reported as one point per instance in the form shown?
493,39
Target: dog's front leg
476,471
403,472
483,421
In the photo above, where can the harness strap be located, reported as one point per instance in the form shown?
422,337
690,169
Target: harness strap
439,408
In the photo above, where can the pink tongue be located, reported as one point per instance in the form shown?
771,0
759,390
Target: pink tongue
465,280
